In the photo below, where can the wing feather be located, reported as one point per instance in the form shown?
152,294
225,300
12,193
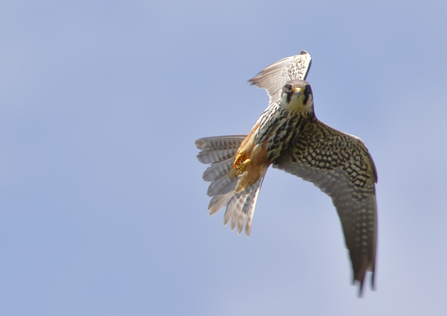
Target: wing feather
273,77
340,165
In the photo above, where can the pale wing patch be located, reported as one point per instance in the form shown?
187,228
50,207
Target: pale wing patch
273,77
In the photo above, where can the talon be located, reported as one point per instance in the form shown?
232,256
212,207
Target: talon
243,166
241,163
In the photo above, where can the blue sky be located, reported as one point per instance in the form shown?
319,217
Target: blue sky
103,210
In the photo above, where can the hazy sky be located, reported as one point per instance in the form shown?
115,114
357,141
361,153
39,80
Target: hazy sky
103,210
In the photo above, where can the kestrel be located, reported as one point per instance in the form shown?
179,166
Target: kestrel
290,137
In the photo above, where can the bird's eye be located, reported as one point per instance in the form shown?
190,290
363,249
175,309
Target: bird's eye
289,87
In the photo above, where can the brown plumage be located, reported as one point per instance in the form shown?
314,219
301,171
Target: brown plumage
290,137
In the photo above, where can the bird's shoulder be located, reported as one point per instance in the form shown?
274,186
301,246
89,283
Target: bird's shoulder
322,149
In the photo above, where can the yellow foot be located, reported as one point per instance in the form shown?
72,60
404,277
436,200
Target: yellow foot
239,159
240,163
244,166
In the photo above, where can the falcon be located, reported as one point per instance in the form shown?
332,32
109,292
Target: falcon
289,137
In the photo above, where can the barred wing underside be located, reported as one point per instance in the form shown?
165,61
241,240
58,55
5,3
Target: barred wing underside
340,165
272,78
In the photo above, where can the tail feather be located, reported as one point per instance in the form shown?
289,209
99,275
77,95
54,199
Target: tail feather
220,142
220,151
240,208
251,208
210,156
217,170
221,186
219,201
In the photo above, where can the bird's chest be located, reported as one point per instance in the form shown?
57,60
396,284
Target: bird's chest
276,132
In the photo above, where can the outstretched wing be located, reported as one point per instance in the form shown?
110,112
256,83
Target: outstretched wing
219,152
341,166
275,76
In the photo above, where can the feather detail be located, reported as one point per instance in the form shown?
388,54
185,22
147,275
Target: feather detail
217,170
210,156
220,151
220,142
273,77
219,201
221,186
240,208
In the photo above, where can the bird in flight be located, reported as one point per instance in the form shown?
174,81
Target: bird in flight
289,137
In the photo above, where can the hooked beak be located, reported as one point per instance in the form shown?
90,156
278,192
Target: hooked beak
298,91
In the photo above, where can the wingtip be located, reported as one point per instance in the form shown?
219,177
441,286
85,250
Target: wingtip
200,143
373,281
251,81
247,230
360,293
360,282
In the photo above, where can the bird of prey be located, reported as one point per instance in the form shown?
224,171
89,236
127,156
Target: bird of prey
289,137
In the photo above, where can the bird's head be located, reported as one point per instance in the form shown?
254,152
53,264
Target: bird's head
297,96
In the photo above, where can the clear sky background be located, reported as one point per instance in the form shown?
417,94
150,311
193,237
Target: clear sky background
103,210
